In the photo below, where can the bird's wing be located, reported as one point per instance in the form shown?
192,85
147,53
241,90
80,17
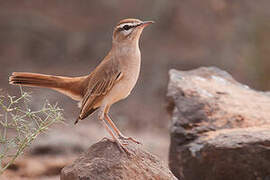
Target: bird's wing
101,80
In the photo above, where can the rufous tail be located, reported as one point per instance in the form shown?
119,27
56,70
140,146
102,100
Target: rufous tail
69,86
35,79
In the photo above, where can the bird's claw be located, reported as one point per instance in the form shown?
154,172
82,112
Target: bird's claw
129,139
122,147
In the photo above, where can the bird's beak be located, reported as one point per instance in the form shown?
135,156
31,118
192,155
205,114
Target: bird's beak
146,23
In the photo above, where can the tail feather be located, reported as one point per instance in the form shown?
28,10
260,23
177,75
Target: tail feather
35,79
71,87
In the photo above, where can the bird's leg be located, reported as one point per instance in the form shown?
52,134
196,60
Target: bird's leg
115,139
117,131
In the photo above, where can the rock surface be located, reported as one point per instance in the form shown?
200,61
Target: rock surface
104,161
220,128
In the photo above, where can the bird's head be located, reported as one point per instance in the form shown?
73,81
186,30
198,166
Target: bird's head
129,30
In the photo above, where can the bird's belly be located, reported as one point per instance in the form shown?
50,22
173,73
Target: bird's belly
123,88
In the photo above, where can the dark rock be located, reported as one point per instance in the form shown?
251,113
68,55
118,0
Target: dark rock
228,154
104,161
204,102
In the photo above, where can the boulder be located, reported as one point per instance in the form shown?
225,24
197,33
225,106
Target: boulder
105,161
219,127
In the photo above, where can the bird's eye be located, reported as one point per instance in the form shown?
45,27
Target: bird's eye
126,27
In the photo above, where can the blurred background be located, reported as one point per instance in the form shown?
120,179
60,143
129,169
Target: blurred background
70,37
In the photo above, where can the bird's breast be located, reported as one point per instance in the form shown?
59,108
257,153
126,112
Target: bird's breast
130,67
131,70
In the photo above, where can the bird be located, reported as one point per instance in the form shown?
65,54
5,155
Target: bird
111,81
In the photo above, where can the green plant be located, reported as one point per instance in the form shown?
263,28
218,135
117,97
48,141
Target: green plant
19,125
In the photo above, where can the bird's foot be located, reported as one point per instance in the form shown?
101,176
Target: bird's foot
122,147
122,137
120,144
